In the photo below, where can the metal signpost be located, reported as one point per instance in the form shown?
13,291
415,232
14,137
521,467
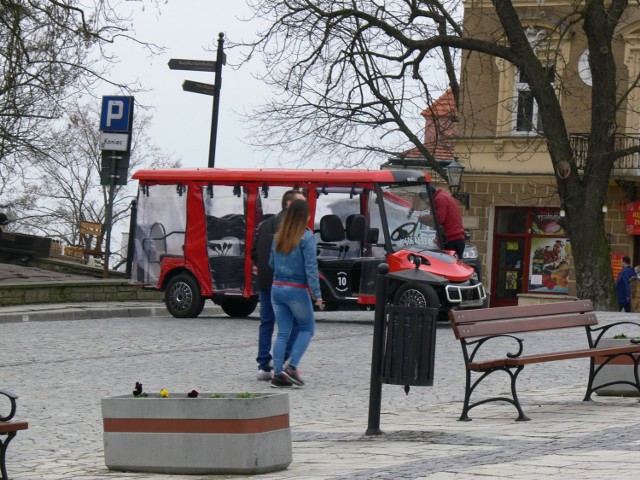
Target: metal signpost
116,120
206,88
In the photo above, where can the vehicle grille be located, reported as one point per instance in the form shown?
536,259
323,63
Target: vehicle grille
466,295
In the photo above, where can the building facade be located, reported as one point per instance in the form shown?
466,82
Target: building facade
515,217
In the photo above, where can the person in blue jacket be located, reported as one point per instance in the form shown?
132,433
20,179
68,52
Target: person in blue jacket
260,254
295,289
623,284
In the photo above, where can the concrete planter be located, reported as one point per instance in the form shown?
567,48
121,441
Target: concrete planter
197,435
620,369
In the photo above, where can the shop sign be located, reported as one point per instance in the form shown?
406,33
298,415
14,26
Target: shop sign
546,222
633,218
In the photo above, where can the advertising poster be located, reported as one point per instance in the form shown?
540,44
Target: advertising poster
616,266
549,267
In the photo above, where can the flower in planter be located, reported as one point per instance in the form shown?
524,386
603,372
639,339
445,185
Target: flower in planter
137,392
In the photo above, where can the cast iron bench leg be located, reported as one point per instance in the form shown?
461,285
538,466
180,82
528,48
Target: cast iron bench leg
593,371
514,400
3,451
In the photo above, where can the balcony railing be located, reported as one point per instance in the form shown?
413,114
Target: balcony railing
629,165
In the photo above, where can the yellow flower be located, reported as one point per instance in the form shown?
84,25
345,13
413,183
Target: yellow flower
164,393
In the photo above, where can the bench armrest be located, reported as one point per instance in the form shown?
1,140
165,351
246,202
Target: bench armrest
604,329
12,398
481,341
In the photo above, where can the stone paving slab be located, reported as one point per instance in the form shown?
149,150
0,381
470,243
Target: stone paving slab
62,369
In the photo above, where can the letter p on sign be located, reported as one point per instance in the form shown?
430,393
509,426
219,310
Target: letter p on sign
117,113
114,111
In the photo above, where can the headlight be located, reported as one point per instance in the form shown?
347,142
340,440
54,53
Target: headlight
418,259
470,251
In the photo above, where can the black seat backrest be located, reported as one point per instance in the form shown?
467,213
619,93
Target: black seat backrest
356,227
331,229
232,225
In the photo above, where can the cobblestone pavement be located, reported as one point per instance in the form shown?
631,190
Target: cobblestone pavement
12,274
61,369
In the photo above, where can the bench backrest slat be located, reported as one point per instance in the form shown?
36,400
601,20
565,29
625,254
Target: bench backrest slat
529,318
522,325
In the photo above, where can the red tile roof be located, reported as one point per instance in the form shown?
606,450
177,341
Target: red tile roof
441,125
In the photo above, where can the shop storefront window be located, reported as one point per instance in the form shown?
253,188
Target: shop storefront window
511,220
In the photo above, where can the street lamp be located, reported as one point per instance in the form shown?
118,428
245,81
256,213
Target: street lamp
454,174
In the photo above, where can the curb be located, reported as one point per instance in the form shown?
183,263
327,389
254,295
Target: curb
103,310
81,312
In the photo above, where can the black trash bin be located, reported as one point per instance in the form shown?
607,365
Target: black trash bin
404,346
410,346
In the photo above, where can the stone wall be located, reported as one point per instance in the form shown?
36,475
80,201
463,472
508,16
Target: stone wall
488,191
72,291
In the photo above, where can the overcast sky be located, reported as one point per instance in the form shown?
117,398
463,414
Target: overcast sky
182,120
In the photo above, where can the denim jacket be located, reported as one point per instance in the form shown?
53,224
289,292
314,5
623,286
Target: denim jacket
299,266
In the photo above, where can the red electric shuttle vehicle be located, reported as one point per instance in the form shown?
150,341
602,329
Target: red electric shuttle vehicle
195,228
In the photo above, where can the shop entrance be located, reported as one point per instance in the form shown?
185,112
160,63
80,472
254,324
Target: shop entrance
509,271
530,254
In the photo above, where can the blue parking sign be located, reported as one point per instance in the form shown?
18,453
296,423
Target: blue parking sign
117,114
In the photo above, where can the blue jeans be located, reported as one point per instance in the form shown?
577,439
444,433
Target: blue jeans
267,323
291,305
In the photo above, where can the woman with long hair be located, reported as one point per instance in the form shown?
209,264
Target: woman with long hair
295,283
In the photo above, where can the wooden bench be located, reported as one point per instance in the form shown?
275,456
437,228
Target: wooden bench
477,328
9,428
89,230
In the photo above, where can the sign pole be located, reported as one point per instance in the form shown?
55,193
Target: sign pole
216,101
109,214
116,120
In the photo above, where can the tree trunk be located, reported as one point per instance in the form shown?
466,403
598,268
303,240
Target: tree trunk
594,278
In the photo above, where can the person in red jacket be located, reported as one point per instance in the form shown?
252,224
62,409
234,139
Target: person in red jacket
449,216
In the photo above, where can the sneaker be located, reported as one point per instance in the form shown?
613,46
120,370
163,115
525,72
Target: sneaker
264,375
280,381
291,374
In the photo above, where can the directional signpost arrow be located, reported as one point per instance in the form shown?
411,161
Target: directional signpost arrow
199,87
206,88
197,65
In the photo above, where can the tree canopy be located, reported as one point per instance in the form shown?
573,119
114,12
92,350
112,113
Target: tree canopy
352,75
51,53
54,54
